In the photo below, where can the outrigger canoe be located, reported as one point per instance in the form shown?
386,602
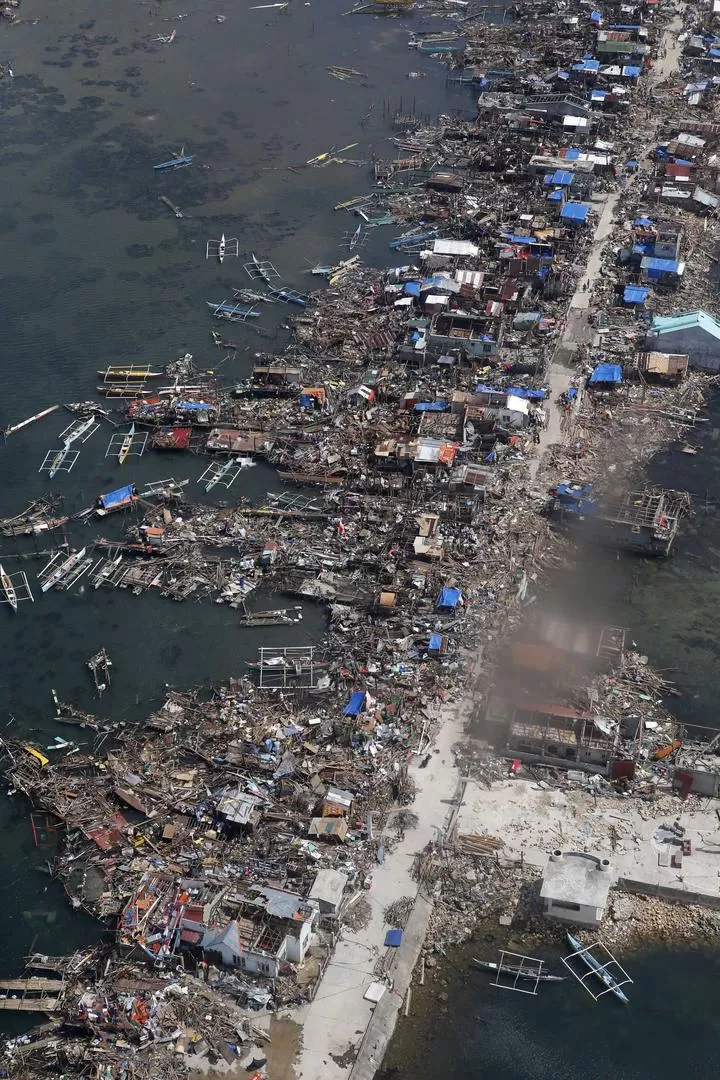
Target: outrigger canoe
176,162
8,589
519,970
590,961
126,445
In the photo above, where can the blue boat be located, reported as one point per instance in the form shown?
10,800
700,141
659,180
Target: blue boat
409,241
176,162
224,309
289,296
594,964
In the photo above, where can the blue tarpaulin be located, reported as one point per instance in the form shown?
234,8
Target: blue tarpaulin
393,938
606,373
635,294
597,95
356,704
575,211
666,266
482,389
193,406
573,492
592,66
449,597
524,392
631,72
411,288
431,406
560,178
116,498
572,154
643,222
306,401
556,196
435,642
596,17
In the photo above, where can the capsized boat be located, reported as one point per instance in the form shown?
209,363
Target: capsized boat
126,445
519,970
594,964
7,587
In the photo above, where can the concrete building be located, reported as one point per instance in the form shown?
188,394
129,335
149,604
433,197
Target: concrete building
327,891
694,332
575,887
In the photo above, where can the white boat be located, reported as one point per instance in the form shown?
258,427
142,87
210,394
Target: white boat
58,461
64,568
126,445
221,248
585,955
8,588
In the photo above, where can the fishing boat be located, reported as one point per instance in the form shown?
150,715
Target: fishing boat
355,238
122,391
58,461
222,309
518,970
127,373
126,445
289,296
220,474
177,162
594,964
63,569
8,589
261,269
221,248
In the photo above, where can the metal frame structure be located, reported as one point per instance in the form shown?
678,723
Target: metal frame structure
293,668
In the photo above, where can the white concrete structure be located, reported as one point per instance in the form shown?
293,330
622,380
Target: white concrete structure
575,887
694,332
327,891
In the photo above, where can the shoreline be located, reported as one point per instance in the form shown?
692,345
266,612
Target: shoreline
341,1033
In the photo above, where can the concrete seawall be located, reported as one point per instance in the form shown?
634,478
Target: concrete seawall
382,1024
669,892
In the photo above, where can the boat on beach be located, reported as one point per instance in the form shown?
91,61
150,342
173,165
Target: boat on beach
518,970
8,589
